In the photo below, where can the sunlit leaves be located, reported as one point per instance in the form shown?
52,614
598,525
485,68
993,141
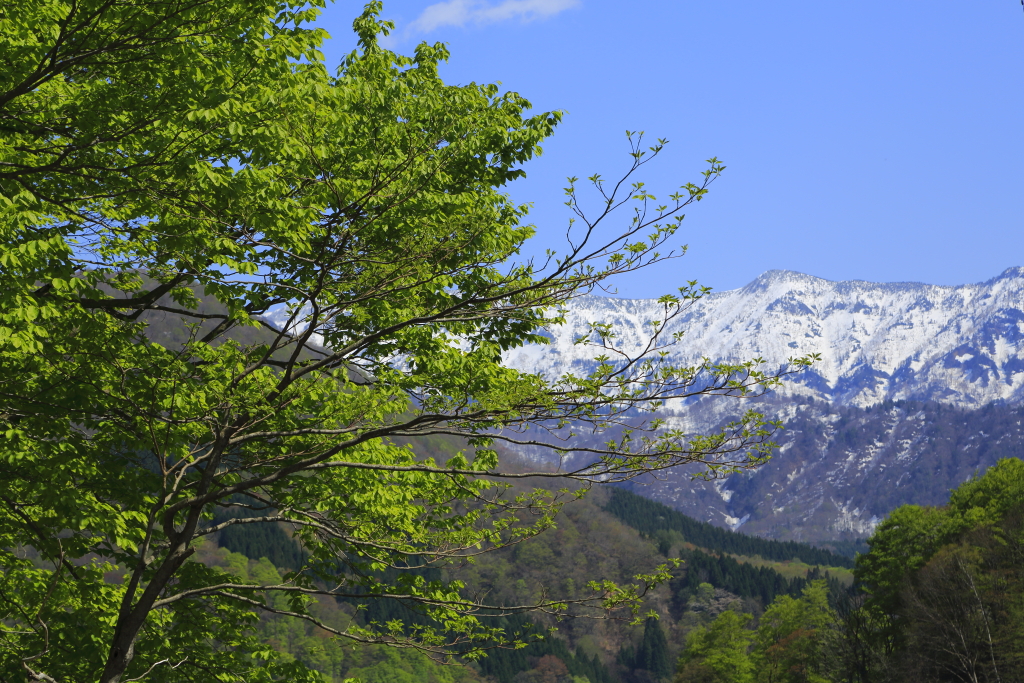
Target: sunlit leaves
168,186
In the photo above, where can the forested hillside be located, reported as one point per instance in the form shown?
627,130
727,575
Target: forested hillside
595,538
659,521
939,598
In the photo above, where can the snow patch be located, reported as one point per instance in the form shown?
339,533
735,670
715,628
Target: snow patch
851,520
726,494
735,523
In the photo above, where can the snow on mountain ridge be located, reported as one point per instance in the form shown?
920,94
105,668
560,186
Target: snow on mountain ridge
962,345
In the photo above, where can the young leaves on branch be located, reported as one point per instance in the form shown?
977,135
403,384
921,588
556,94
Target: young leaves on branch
176,173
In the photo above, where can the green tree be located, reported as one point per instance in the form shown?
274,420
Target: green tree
790,635
901,545
652,652
195,161
718,653
944,585
919,553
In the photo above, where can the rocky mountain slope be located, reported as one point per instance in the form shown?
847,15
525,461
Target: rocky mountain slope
917,388
840,469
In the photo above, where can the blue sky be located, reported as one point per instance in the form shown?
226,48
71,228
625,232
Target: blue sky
869,140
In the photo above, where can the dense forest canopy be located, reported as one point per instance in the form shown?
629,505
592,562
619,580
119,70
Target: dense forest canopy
651,518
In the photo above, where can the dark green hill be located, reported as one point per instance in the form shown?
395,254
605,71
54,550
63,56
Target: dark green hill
650,517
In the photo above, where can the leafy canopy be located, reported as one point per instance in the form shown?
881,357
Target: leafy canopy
195,161
941,575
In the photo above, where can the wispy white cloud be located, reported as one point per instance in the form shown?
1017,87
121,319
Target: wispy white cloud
477,12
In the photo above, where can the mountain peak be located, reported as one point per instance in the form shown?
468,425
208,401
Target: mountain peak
772,277
1011,273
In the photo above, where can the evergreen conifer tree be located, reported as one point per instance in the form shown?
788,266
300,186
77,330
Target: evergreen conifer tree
653,652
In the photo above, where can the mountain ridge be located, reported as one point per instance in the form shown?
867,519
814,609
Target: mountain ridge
962,345
840,469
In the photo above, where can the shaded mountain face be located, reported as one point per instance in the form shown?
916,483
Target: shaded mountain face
840,469
958,345
918,388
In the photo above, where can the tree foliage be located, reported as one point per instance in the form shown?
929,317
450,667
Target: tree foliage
786,647
718,653
789,637
195,159
939,598
945,586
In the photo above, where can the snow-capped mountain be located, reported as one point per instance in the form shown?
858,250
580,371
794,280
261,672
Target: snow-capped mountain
951,358
960,345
